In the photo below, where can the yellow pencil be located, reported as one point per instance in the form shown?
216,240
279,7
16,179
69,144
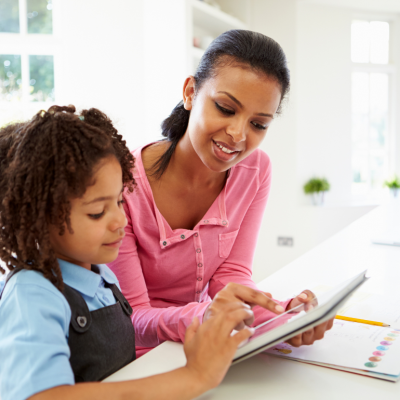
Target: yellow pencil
361,321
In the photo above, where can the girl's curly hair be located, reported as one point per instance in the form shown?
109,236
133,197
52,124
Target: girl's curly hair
45,162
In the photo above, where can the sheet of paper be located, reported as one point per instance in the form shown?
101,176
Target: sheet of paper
351,345
368,306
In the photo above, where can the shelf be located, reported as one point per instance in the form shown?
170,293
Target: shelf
213,20
197,53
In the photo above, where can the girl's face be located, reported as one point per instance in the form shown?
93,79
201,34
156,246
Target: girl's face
97,219
230,115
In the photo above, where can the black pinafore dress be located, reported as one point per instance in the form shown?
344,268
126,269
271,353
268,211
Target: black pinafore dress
101,341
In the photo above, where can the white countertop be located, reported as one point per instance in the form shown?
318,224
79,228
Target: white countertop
262,376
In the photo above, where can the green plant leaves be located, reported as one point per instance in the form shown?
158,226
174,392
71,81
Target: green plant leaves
316,185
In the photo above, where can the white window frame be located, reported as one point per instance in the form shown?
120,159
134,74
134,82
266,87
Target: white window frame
26,44
391,70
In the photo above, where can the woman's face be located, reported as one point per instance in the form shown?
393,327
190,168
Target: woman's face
230,115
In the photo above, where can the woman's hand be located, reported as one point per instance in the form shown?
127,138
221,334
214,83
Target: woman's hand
210,348
308,300
244,298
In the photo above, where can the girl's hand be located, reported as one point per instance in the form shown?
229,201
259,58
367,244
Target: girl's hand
243,297
308,300
210,348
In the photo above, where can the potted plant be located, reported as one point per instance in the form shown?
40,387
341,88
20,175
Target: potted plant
317,188
393,185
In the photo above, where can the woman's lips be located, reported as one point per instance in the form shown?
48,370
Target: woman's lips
221,154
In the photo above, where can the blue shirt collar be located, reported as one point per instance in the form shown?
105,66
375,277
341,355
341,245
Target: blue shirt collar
85,281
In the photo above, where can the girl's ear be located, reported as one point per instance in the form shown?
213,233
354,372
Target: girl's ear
188,92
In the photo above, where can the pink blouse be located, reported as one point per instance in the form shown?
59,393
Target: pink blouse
170,276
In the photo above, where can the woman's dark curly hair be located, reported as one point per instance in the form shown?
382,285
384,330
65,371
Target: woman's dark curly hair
45,162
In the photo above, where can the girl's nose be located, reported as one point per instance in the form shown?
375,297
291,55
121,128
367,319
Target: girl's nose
119,221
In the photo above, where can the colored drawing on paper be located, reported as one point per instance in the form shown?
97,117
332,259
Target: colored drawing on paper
382,348
392,335
375,359
379,353
386,343
389,338
371,365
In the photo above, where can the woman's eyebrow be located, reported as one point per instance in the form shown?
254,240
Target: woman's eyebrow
233,99
241,105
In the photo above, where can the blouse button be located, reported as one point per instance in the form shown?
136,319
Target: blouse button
199,278
182,236
198,251
198,292
164,243
199,265
196,234
224,222
206,221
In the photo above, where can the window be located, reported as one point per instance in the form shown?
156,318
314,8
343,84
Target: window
26,58
371,105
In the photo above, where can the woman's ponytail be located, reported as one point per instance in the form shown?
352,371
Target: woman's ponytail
173,129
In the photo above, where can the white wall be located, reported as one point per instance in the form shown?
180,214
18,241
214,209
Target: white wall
280,143
324,99
127,58
313,136
99,62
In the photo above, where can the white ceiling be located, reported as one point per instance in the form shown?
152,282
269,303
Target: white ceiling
391,6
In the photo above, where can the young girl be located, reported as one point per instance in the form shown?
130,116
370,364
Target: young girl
64,321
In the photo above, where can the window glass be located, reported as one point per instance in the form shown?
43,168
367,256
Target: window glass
10,77
360,41
370,130
370,42
9,16
379,109
40,16
379,42
41,78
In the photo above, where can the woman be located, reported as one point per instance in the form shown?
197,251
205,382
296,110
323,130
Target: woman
194,217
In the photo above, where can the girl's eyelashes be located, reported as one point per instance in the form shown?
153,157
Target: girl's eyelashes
224,110
96,216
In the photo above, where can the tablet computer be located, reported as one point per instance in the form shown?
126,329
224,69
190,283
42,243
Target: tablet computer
299,319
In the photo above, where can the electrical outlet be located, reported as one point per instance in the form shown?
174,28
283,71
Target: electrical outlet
285,241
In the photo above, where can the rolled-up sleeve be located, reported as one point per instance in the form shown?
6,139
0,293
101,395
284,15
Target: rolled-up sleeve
34,352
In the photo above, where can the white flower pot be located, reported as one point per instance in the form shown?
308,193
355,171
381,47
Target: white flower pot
395,192
318,198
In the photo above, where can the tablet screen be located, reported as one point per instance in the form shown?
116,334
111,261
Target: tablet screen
284,318
299,319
